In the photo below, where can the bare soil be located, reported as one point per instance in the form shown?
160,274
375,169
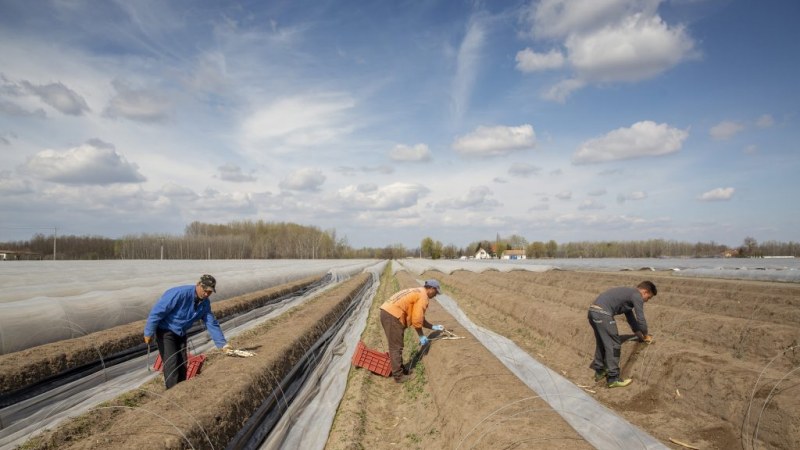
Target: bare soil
722,373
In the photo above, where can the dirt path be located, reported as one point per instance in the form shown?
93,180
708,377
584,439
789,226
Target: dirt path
461,397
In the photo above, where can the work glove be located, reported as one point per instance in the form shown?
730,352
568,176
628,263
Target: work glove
227,348
648,339
437,328
147,339
423,340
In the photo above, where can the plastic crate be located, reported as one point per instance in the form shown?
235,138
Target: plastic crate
193,367
375,362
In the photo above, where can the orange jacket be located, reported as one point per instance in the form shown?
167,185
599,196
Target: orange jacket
408,304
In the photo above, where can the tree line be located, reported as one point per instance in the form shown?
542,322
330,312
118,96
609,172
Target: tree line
285,240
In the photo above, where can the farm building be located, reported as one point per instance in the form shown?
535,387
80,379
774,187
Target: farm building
513,254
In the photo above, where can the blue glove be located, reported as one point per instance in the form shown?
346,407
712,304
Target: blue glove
423,340
438,328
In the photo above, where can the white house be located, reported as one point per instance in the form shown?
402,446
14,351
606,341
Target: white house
513,254
481,254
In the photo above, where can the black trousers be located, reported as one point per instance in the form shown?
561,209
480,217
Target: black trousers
172,349
608,345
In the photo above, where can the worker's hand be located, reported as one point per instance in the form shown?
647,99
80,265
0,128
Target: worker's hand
647,339
437,328
227,348
147,339
423,340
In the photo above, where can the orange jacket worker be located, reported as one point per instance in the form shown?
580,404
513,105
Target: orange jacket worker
403,309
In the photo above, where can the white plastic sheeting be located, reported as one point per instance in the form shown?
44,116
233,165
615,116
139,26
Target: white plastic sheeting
23,420
766,269
46,301
600,426
306,423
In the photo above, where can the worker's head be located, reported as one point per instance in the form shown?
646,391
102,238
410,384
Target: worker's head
206,286
647,289
432,288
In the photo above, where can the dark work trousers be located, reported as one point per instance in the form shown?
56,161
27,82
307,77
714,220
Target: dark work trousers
172,349
607,344
394,334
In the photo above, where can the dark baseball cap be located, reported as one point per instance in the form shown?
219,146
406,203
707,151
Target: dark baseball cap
207,281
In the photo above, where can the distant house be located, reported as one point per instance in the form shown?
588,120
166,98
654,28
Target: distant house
14,255
513,254
482,254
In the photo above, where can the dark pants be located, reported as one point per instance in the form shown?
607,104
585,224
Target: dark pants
607,344
394,334
172,349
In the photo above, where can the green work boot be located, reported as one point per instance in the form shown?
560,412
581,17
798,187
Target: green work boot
620,383
599,375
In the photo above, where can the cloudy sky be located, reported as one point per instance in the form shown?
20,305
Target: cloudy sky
391,121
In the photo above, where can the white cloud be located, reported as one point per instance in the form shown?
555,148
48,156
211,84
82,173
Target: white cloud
561,18
305,179
349,170
725,130
590,204
564,195
13,109
529,61
94,162
560,91
302,121
141,105
478,198
388,198
717,195
638,48
59,97
178,193
495,141
765,121
642,139
13,185
419,152
633,196
467,64
232,172
523,170
604,41
598,192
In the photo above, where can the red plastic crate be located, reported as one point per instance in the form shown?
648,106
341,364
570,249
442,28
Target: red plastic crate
193,367
375,362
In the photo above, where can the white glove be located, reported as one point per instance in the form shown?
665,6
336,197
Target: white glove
437,328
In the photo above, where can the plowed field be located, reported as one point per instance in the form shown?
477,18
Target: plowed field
722,373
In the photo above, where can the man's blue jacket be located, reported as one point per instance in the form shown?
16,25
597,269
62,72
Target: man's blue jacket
177,310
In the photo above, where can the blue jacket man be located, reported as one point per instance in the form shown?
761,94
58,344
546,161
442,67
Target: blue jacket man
170,319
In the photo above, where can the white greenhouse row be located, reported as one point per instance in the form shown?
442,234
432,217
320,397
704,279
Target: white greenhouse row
46,301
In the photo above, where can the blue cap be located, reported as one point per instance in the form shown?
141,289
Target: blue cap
434,284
